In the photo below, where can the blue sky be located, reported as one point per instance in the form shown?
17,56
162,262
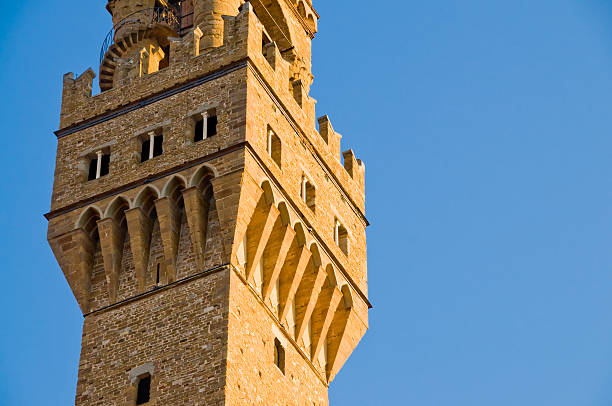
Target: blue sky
485,129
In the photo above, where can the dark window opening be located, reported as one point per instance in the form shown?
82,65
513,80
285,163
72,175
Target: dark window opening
93,169
146,146
199,130
104,167
146,153
144,390
157,145
211,127
157,276
279,355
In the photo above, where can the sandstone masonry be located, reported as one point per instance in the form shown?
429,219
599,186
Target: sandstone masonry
209,227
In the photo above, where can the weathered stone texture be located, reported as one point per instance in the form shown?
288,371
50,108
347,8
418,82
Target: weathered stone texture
181,330
194,265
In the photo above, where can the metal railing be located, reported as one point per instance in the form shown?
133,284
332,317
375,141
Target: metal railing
143,18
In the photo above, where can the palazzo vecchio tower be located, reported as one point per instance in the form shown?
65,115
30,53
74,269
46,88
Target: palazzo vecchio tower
210,228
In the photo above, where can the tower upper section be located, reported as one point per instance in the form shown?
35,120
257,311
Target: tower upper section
155,49
141,29
202,167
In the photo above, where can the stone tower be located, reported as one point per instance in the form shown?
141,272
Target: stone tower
210,229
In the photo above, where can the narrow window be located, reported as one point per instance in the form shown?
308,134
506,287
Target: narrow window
205,126
199,130
93,165
273,147
152,146
157,275
146,146
298,92
211,128
144,390
341,237
279,355
308,193
105,166
99,166
157,145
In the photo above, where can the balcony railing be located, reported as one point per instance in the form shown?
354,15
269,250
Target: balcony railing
143,18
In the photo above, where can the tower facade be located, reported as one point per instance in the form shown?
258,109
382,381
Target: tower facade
206,221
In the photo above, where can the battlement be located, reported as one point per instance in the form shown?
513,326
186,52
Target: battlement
211,230
186,63
242,46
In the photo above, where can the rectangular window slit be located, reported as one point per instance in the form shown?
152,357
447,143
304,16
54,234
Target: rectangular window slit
144,390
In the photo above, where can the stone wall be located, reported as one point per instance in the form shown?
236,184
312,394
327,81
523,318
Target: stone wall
191,265
181,332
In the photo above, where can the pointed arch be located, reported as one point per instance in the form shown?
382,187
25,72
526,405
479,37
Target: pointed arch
173,186
146,198
332,279
300,233
316,255
284,213
202,174
88,220
347,296
173,225
311,20
268,194
273,17
116,208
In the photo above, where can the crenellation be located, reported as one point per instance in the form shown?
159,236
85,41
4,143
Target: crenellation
219,257
76,91
355,168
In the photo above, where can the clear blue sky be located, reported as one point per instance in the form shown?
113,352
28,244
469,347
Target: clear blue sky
486,131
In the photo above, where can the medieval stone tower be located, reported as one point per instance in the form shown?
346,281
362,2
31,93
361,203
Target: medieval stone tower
208,225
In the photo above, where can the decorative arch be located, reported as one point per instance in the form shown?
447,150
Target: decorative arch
311,21
302,9
176,183
116,208
88,220
284,213
145,199
203,174
274,20
331,275
300,233
268,193
316,255
347,296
